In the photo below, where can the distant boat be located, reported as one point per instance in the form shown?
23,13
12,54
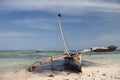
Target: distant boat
104,49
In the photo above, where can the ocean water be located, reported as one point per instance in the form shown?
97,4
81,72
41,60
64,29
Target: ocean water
103,57
21,59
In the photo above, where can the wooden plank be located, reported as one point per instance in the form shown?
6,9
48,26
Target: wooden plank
46,60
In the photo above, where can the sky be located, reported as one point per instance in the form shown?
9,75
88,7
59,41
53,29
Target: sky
33,25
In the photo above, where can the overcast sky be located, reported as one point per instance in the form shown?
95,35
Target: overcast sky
32,24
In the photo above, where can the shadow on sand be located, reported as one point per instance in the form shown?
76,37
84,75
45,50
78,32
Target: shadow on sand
58,66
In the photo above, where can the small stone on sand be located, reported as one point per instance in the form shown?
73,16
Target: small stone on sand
88,75
51,75
104,74
98,71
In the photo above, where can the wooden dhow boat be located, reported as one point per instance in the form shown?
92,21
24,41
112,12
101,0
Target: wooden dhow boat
72,59
104,49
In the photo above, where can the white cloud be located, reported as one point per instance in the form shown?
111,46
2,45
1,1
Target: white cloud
109,37
104,40
41,24
17,34
64,6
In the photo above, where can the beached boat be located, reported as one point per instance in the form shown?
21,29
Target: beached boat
104,49
72,59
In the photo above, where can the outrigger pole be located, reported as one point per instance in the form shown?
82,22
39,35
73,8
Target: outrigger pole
63,39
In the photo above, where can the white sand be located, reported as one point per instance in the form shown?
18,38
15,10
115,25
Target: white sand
109,71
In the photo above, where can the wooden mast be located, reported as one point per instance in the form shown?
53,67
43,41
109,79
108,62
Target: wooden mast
62,35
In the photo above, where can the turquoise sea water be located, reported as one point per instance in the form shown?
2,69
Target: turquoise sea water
22,59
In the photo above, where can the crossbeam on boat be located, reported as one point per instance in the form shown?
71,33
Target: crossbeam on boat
46,60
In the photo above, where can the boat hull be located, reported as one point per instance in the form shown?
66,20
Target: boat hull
74,61
104,49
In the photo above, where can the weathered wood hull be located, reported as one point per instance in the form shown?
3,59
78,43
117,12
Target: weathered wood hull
105,49
74,61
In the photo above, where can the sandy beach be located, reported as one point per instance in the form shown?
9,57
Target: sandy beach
108,71
37,37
